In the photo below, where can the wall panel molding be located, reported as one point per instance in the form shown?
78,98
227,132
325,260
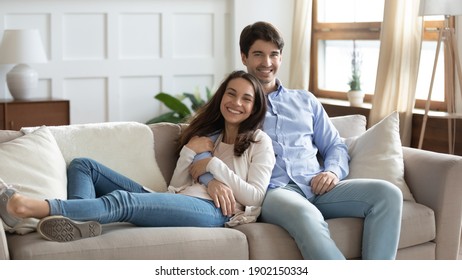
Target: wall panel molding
116,55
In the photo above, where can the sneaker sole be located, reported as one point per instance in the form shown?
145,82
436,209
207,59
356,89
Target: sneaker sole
62,229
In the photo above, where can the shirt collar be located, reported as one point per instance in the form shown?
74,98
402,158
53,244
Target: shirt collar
279,88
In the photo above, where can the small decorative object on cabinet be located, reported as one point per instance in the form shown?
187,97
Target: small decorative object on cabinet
15,114
22,47
355,95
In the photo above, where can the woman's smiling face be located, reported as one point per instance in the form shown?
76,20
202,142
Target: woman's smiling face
237,101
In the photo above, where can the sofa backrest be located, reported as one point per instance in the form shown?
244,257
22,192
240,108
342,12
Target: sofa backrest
166,139
165,146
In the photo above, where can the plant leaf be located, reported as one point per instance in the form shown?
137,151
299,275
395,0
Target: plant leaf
196,103
209,93
171,117
174,104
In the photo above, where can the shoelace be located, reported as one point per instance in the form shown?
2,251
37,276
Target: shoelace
5,185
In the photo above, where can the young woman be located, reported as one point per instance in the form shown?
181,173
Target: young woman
240,170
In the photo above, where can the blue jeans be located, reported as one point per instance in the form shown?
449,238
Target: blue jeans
378,202
97,193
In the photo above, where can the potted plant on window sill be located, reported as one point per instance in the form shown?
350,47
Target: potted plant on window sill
355,94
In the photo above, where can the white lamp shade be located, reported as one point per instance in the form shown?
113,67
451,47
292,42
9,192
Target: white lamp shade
22,46
440,7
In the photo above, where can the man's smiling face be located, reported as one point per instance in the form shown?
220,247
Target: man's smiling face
263,62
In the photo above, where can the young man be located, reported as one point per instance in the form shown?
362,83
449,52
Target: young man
304,192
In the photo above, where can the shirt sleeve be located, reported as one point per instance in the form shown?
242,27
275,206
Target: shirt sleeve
332,148
206,177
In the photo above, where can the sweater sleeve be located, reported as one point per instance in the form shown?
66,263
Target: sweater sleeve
181,174
254,168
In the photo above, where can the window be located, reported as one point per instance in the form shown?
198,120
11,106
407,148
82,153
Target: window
339,25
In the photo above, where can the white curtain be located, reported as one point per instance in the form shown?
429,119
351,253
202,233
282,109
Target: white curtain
398,68
300,46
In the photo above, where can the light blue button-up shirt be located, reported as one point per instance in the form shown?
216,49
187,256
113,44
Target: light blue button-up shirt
302,132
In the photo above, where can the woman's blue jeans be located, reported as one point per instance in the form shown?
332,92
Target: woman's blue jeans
378,202
97,193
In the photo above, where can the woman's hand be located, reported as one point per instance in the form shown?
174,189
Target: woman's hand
200,144
198,168
323,182
222,196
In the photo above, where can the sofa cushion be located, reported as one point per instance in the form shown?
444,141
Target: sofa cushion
35,166
418,225
126,147
347,234
268,241
124,241
378,154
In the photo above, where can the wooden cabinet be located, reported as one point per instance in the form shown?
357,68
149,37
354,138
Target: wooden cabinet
15,114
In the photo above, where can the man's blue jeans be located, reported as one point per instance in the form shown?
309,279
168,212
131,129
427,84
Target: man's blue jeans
378,202
97,193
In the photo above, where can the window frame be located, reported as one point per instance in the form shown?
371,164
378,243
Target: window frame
363,31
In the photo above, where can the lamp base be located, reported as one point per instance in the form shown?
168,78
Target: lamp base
22,81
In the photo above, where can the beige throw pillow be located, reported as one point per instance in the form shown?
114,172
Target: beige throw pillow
350,125
378,154
35,166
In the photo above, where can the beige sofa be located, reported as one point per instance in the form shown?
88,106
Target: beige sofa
430,225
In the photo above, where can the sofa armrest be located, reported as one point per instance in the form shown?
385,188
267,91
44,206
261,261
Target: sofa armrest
435,181
4,253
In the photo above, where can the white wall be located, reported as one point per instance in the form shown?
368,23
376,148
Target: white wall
278,12
110,57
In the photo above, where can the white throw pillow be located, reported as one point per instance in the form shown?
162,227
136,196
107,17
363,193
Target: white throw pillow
378,154
126,147
350,125
35,166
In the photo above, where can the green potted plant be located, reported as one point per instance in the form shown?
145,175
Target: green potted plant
355,94
179,111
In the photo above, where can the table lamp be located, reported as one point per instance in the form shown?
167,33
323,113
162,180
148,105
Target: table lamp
446,8
21,47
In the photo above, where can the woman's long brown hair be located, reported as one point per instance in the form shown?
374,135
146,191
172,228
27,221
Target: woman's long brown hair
208,119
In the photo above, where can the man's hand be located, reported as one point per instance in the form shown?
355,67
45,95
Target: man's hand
222,196
323,182
200,144
198,168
